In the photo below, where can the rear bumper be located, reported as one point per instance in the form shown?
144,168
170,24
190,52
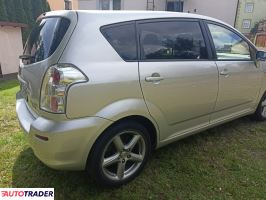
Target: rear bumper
69,142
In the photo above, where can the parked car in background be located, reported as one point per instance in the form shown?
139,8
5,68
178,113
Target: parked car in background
100,89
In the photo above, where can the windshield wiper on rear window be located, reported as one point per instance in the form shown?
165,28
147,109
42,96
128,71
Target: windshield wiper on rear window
25,57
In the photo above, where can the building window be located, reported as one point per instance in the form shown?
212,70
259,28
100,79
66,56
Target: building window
116,4
246,23
110,4
105,4
249,7
175,6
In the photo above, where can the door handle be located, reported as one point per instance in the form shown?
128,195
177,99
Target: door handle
224,73
155,78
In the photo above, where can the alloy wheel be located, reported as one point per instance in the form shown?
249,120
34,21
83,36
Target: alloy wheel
123,155
263,110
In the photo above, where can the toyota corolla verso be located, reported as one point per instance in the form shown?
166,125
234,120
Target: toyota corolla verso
100,89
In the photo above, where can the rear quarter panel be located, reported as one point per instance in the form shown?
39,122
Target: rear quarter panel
113,90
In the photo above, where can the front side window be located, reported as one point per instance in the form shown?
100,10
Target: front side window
123,40
45,38
228,45
172,40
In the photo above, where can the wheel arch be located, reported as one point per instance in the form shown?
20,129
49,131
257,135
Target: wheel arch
147,123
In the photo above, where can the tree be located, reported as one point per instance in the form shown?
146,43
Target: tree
45,6
10,7
3,13
37,8
255,28
23,11
48,8
20,12
27,7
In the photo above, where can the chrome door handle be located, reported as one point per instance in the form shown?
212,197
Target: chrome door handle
153,79
224,72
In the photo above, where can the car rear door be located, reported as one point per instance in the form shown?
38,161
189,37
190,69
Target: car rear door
239,77
178,80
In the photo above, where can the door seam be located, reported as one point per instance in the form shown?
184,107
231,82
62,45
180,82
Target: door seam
218,90
143,97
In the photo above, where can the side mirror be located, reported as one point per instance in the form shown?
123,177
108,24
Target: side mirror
261,55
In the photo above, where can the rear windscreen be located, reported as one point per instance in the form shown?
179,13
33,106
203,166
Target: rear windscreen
45,38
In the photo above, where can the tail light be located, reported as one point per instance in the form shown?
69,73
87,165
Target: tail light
56,82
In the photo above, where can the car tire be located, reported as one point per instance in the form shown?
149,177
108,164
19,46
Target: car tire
119,154
260,114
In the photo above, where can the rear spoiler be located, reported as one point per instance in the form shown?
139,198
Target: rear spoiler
40,17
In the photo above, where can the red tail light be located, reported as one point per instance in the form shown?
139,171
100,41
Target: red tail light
57,80
54,104
55,76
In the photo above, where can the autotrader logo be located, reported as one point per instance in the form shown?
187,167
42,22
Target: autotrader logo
26,193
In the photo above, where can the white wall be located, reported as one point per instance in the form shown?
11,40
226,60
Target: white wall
126,4
135,5
88,4
224,10
160,4
10,48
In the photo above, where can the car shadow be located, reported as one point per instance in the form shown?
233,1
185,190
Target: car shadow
29,172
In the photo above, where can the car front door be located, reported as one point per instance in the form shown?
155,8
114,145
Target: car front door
239,77
178,81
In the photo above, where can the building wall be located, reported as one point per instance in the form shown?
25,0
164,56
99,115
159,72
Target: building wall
142,5
224,10
159,5
126,5
75,4
56,4
258,14
11,40
135,5
60,4
87,4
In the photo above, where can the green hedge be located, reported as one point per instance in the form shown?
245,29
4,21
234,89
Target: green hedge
23,11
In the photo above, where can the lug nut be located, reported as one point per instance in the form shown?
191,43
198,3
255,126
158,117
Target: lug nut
128,156
123,160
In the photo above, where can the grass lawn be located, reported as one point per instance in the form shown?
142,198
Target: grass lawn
226,162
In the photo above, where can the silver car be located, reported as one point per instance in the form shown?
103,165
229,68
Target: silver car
101,89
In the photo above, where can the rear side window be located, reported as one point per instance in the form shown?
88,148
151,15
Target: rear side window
123,40
45,38
172,40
